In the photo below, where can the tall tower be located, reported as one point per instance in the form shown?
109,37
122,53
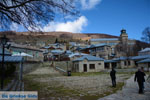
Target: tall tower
123,36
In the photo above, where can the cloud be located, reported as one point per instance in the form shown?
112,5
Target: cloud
75,26
89,4
14,27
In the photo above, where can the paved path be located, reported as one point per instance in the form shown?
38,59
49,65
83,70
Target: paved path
130,92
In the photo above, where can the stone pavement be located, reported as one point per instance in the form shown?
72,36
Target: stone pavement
130,92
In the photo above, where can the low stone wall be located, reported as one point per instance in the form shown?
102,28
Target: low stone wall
62,71
28,67
63,64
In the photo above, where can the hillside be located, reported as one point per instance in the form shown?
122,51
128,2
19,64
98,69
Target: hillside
50,37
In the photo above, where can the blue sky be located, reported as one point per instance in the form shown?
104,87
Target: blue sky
110,16
104,16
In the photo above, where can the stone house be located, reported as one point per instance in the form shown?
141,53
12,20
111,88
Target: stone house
145,51
74,56
36,53
58,46
113,42
88,63
99,50
144,63
103,51
121,62
136,59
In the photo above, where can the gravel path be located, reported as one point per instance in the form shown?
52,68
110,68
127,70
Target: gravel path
91,84
130,92
79,86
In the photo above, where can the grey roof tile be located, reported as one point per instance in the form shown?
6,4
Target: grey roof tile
144,61
89,58
140,57
12,58
105,39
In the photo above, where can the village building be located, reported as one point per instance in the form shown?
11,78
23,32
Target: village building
74,56
99,50
57,46
144,63
88,63
143,60
56,54
85,50
35,54
122,39
105,47
121,62
76,47
145,51
103,51
128,62
53,51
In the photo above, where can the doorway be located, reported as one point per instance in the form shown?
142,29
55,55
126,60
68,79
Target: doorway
85,67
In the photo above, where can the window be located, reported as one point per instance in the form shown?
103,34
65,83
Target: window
92,66
128,62
76,67
125,63
99,63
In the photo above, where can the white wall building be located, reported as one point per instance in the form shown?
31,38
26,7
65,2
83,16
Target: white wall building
88,63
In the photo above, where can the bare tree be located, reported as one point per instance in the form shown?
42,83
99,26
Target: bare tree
146,35
32,13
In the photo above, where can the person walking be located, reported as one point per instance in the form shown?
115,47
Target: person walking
142,70
113,77
139,77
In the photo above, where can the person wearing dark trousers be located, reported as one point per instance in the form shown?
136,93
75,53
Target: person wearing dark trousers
139,77
113,77
142,70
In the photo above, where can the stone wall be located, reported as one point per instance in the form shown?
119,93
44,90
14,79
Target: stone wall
63,64
28,67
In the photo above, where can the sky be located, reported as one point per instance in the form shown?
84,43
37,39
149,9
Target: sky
104,16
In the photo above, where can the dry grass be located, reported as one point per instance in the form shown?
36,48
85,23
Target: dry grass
90,86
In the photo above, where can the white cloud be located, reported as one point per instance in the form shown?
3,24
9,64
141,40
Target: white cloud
89,4
14,27
70,26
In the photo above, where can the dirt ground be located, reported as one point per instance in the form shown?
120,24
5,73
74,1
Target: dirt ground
51,85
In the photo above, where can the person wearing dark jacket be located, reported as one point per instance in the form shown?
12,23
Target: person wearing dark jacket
139,77
113,77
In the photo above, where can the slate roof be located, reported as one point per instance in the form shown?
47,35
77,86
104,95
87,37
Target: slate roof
57,51
104,39
77,54
12,59
89,58
94,46
72,43
140,57
145,50
78,48
144,61
121,58
100,45
110,61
